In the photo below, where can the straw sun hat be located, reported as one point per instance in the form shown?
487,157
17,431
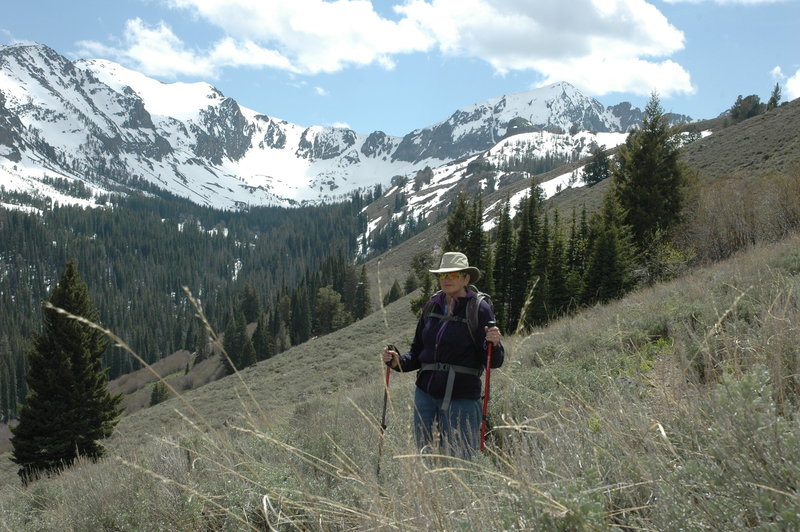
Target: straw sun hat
457,262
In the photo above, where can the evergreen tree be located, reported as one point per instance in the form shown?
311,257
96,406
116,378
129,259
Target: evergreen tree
458,226
427,290
487,279
538,311
5,383
202,348
503,267
559,297
363,305
775,97
420,265
235,333
248,353
520,269
474,240
330,311
68,409
250,305
159,393
576,257
610,267
301,319
746,107
261,339
411,283
279,333
598,168
649,180
395,293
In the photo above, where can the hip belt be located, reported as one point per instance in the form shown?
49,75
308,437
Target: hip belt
451,370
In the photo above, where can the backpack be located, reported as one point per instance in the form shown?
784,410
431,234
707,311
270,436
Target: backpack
473,307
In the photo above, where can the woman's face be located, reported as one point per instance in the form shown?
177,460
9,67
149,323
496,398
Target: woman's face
454,284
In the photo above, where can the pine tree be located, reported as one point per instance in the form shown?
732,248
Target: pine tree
250,305
420,264
363,301
68,409
649,180
261,339
538,311
746,107
520,269
427,290
487,279
598,168
202,348
5,388
458,226
248,352
233,342
474,240
330,311
301,319
504,247
609,270
558,296
576,257
775,97
395,293
411,283
159,393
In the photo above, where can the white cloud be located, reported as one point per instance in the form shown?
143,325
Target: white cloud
622,74
793,86
726,2
320,91
318,36
598,45
155,51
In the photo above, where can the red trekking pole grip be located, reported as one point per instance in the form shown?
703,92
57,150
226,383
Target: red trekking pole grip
485,420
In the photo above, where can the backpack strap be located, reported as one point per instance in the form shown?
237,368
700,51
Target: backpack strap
451,370
473,312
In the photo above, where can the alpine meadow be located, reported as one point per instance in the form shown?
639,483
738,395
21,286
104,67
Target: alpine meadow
209,351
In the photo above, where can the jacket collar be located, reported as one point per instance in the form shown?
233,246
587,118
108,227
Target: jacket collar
441,298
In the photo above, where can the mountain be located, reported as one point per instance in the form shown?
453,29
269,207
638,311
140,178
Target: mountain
112,130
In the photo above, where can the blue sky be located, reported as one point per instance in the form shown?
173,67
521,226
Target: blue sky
398,65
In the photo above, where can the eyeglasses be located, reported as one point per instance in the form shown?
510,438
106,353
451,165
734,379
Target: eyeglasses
451,275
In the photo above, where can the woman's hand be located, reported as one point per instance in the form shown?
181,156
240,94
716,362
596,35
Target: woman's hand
493,335
390,357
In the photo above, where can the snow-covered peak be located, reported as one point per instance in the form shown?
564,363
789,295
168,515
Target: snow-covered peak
178,100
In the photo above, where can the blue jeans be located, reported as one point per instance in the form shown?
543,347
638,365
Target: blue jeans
459,427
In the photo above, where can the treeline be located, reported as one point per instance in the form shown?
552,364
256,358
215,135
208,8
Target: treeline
750,106
138,254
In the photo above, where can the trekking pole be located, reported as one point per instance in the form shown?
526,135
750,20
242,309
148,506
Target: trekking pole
383,415
485,419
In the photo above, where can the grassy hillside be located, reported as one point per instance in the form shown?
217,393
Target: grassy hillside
672,406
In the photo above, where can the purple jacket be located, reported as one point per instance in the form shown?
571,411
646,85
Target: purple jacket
449,342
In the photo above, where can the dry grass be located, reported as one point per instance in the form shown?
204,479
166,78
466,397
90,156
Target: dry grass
737,211
672,408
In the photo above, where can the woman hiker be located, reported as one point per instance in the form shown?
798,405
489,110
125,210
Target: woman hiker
449,361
